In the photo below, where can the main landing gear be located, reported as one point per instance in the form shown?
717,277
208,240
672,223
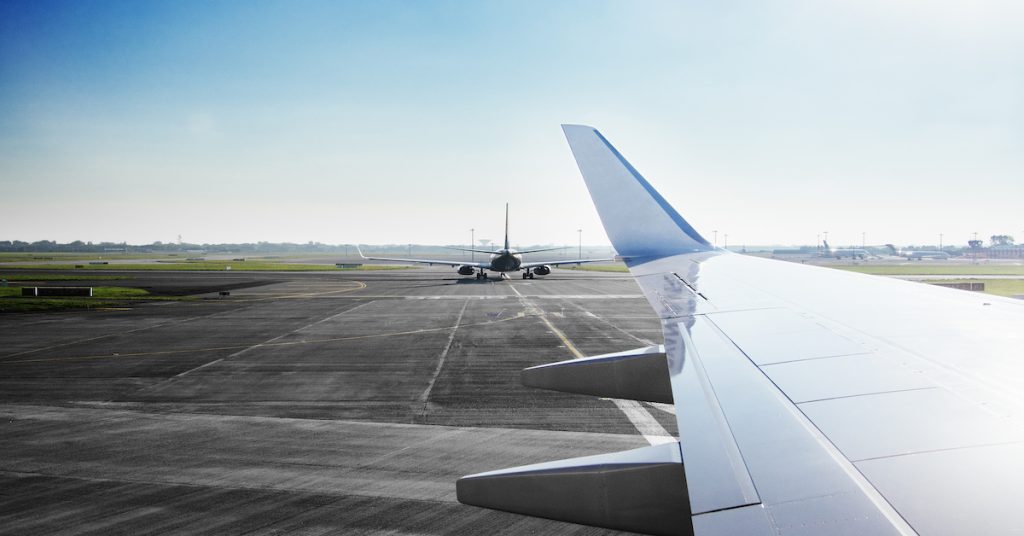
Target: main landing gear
527,274
481,275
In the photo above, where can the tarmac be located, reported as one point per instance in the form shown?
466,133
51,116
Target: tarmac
306,403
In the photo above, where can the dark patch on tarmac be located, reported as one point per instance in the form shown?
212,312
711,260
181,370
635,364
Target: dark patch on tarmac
157,283
315,403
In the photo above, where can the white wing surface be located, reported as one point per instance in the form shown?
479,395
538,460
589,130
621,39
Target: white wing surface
561,262
809,400
426,261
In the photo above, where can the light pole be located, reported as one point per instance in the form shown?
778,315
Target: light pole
472,242
716,237
863,239
725,242
940,241
580,254
826,235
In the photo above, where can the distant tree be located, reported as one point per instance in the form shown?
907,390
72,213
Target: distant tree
974,244
1002,240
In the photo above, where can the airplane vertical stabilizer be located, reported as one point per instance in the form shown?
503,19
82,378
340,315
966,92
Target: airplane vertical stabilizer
506,226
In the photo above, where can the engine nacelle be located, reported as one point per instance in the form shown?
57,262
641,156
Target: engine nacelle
466,269
542,270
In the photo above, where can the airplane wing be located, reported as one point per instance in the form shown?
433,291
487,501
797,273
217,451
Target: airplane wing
484,251
541,249
557,263
426,261
808,400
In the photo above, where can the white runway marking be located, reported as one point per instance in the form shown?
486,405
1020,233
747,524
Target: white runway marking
667,408
244,350
440,361
642,420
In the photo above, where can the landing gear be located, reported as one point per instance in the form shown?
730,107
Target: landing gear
527,274
481,275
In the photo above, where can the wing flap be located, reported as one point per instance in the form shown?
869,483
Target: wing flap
641,490
640,374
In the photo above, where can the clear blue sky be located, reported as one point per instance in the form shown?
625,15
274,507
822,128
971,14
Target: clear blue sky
398,122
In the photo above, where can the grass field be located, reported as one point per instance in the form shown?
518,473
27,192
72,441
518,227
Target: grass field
247,266
61,277
30,257
11,300
935,269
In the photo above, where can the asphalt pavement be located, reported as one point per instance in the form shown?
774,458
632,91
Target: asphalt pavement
309,403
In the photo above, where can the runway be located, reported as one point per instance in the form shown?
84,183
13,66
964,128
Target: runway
311,403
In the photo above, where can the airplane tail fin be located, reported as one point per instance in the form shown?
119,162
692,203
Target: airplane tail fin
506,226
639,222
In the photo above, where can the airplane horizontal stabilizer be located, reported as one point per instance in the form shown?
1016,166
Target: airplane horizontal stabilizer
640,374
641,490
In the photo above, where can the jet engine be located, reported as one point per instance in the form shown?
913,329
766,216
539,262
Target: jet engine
542,270
466,269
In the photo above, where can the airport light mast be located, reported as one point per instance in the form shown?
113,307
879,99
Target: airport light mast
472,244
580,232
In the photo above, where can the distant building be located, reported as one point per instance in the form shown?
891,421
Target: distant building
1006,252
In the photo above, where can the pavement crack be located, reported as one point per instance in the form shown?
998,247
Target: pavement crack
440,365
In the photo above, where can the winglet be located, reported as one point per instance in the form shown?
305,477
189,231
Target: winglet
639,222
358,249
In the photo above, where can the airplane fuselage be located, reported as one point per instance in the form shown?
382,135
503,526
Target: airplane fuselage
505,261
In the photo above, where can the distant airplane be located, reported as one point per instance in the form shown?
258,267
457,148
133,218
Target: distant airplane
916,255
502,260
842,253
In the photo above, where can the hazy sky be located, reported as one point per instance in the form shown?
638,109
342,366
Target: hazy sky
398,122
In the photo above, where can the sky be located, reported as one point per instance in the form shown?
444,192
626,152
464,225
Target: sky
772,122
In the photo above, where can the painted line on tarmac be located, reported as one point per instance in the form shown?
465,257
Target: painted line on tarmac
440,362
667,408
640,340
119,333
244,350
242,346
642,420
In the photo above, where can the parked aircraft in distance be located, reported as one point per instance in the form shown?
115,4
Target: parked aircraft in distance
844,253
808,400
916,255
502,260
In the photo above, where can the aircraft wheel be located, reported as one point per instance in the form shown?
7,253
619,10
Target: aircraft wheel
531,276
